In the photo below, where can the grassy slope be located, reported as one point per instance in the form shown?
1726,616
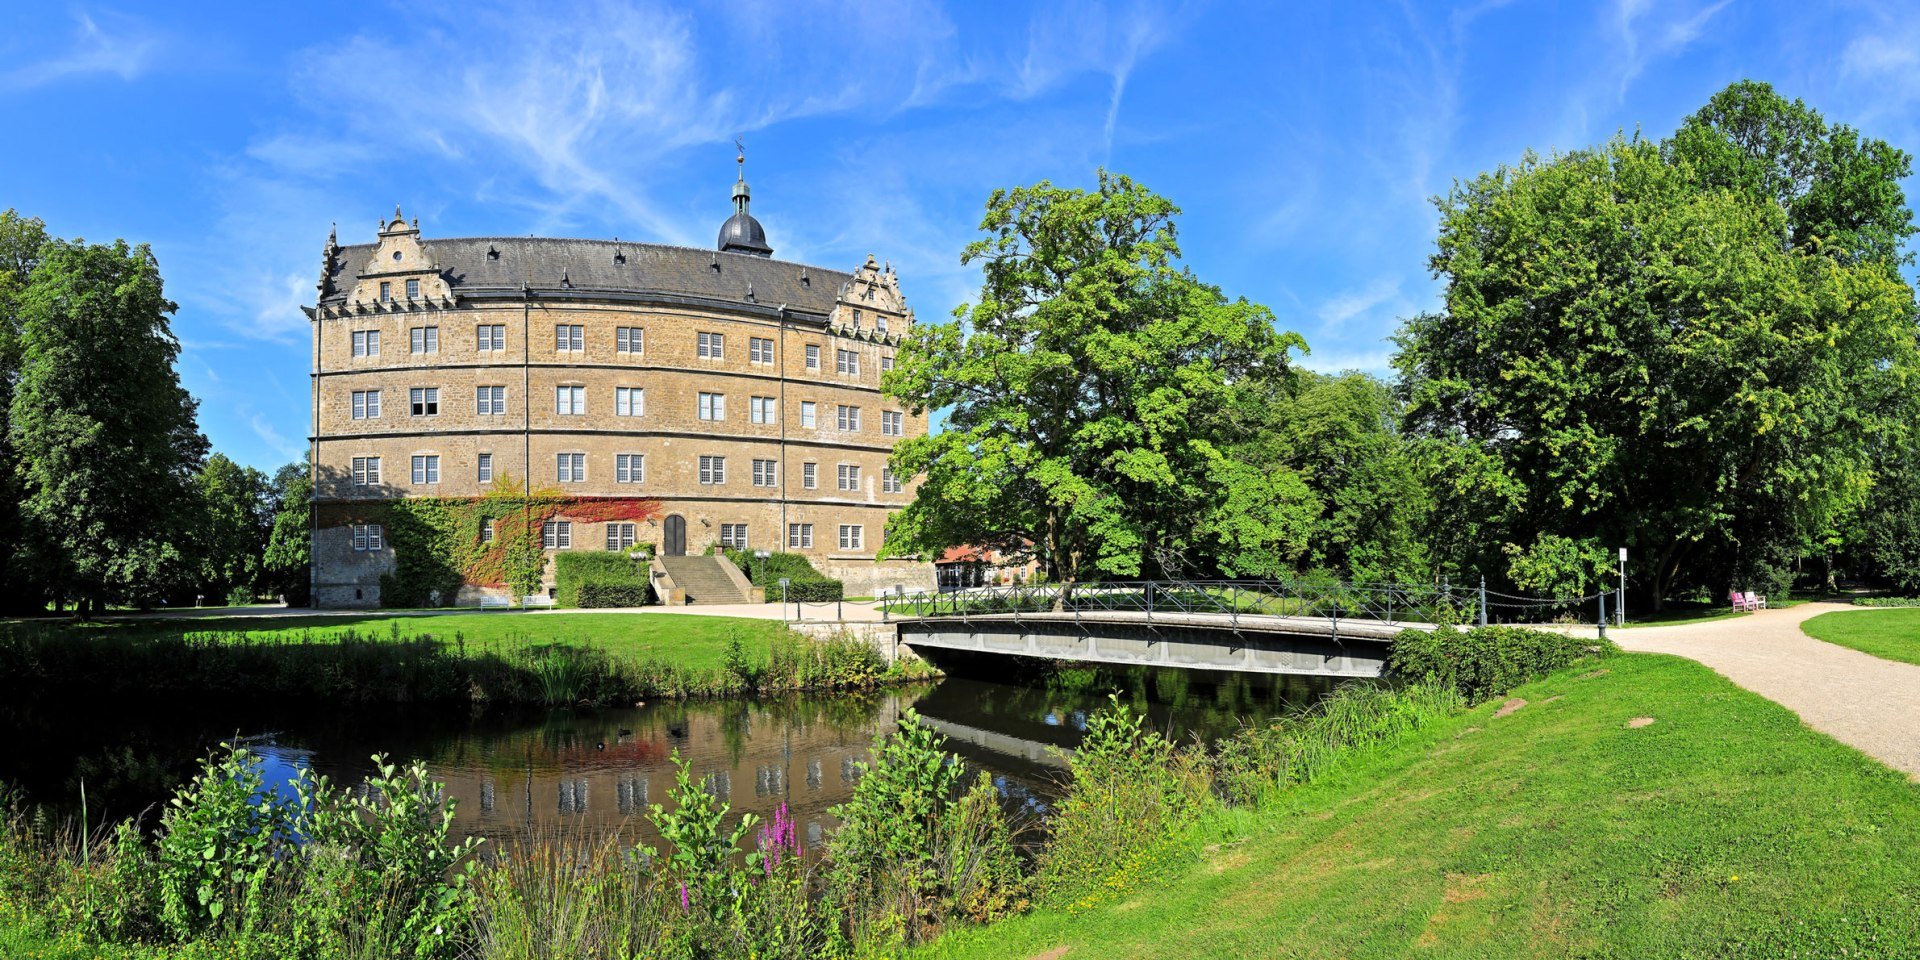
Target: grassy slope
1556,831
1890,634
696,642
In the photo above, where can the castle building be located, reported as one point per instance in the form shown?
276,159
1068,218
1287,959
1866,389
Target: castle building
739,392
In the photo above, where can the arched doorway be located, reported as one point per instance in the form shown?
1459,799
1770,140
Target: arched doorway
676,536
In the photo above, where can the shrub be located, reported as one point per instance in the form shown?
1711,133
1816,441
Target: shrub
613,595
807,584
222,841
1886,601
1125,812
574,571
911,851
1487,661
240,597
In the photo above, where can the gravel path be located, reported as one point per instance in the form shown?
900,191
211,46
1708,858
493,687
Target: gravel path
1870,704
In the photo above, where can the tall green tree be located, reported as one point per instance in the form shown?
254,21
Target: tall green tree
286,565
1631,356
1086,393
105,436
21,240
236,516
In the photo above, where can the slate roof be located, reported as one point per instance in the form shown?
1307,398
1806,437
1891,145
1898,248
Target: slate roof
502,264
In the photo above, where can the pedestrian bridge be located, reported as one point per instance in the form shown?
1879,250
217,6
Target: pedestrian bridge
1249,627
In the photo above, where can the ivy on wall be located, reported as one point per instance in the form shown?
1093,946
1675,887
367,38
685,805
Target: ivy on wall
437,541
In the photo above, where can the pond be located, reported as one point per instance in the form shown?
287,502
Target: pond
591,773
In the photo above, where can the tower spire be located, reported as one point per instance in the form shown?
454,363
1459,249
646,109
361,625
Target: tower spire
741,233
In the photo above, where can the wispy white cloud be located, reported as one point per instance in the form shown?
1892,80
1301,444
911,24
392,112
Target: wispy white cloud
1365,303
124,51
274,439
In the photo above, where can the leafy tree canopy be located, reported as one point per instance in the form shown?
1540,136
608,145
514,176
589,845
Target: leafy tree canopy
1087,394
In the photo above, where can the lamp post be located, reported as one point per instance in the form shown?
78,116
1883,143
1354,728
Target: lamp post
783,594
1620,608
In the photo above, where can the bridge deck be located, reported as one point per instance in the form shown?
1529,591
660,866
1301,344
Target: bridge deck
1345,629
1246,643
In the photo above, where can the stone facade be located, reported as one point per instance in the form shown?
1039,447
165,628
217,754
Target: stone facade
529,351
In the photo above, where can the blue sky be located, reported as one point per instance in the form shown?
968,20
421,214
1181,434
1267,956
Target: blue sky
1303,140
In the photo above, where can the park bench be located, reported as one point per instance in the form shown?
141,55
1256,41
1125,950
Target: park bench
495,603
536,600
1746,601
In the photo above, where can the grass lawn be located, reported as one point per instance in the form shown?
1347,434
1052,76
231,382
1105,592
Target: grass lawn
1891,634
1723,829
695,642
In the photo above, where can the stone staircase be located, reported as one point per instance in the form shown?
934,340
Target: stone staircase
706,579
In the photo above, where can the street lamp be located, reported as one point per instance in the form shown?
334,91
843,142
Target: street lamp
1620,607
783,594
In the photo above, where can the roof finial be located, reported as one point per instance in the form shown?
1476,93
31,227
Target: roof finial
396,212
740,158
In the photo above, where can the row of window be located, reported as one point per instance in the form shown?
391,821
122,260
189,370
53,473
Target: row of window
571,401
558,535
572,338
627,468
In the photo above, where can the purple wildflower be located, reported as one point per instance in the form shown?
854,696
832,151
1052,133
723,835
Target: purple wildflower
686,905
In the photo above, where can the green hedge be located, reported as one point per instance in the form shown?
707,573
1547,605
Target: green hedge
574,572
809,585
1886,601
1487,661
613,595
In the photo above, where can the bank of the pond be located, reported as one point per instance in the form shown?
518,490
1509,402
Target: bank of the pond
1890,634
1568,827
497,658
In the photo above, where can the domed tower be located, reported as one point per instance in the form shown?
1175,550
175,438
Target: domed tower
742,233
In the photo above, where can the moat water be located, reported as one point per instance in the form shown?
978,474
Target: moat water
593,773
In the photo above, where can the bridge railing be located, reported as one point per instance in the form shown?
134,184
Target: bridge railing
1384,603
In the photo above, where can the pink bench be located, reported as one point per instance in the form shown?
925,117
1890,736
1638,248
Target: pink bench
1746,601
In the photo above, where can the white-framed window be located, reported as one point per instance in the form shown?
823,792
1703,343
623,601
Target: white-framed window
629,468
490,337
368,537
733,536
426,468
413,289
490,401
713,470
760,409
620,536
849,476
629,402
366,343
886,363
570,401
852,536
424,401
713,406
423,339
766,473
629,340
366,404
366,471
759,350
570,467
386,291
483,469
809,413
711,346
800,536
893,423
847,362
813,356
809,475
557,535
857,318
847,417
888,482
569,338
880,322
486,531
